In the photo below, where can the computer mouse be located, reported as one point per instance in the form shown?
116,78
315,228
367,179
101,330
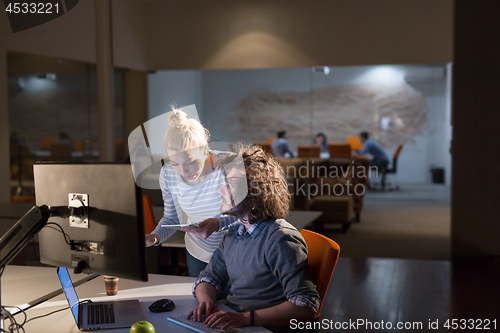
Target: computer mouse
162,305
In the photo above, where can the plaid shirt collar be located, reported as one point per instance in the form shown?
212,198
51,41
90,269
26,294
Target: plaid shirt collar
253,231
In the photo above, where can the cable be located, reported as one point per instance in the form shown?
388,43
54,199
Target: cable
45,315
20,309
67,239
14,326
13,321
48,314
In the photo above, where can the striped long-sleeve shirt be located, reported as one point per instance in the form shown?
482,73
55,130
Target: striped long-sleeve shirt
197,202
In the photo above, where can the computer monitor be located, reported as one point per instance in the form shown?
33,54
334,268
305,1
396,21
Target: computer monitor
110,238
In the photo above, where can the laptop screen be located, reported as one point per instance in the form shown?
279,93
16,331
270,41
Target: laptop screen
69,290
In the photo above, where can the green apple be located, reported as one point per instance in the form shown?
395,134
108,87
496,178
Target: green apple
142,327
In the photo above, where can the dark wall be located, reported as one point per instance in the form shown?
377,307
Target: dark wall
476,121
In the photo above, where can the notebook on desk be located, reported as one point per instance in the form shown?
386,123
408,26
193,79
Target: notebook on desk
99,315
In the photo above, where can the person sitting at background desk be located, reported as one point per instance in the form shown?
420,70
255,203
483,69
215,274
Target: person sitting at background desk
265,259
321,141
372,147
281,146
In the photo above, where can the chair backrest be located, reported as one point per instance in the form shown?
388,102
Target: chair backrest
323,255
308,151
271,140
78,145
354,142
395,158
397,151
149,216
119,149
47,141
339,150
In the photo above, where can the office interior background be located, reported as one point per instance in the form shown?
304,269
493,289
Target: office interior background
421,73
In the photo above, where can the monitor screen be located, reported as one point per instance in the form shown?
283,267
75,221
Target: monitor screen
110,239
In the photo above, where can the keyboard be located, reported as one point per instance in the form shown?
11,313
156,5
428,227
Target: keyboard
100,314
196,326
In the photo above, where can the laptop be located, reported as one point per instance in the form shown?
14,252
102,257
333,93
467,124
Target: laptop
99,315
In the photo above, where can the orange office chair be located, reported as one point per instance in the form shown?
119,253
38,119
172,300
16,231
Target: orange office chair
354,142
149,216
342,150
119,149
271,140
323,256
47,141
308,151
395,158
392,169
78,145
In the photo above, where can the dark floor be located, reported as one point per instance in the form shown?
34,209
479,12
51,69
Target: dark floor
413,223
413,292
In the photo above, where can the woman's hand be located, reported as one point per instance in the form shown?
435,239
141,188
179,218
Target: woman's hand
228,319
204,308
152,239
204,229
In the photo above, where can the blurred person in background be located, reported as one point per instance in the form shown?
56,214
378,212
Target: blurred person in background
281,146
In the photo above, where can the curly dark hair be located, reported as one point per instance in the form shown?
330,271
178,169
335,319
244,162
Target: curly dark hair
268,197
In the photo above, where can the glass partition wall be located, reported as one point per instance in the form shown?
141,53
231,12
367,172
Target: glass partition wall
395,104
53,115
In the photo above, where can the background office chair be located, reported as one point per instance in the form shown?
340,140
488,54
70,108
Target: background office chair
339,150
308,151
323,255
47,141
354,142
149,216
392,169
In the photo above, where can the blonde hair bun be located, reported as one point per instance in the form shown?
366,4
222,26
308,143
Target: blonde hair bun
184,133
178,119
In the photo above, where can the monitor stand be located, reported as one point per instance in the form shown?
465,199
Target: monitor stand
21,233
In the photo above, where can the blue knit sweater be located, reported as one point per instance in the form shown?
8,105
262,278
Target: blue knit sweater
266,267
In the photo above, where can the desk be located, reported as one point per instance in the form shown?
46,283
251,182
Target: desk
176,288
298,218
301,218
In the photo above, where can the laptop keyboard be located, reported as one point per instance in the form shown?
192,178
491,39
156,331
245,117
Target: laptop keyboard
196,326
100,314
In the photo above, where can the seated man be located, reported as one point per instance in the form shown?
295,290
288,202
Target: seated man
372,147
379,158
281,146
265,259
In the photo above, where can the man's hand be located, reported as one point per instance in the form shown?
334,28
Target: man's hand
228,319
152,239
204,308
204,229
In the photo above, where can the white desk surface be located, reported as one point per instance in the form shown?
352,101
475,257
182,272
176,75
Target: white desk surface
298,218
21,284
